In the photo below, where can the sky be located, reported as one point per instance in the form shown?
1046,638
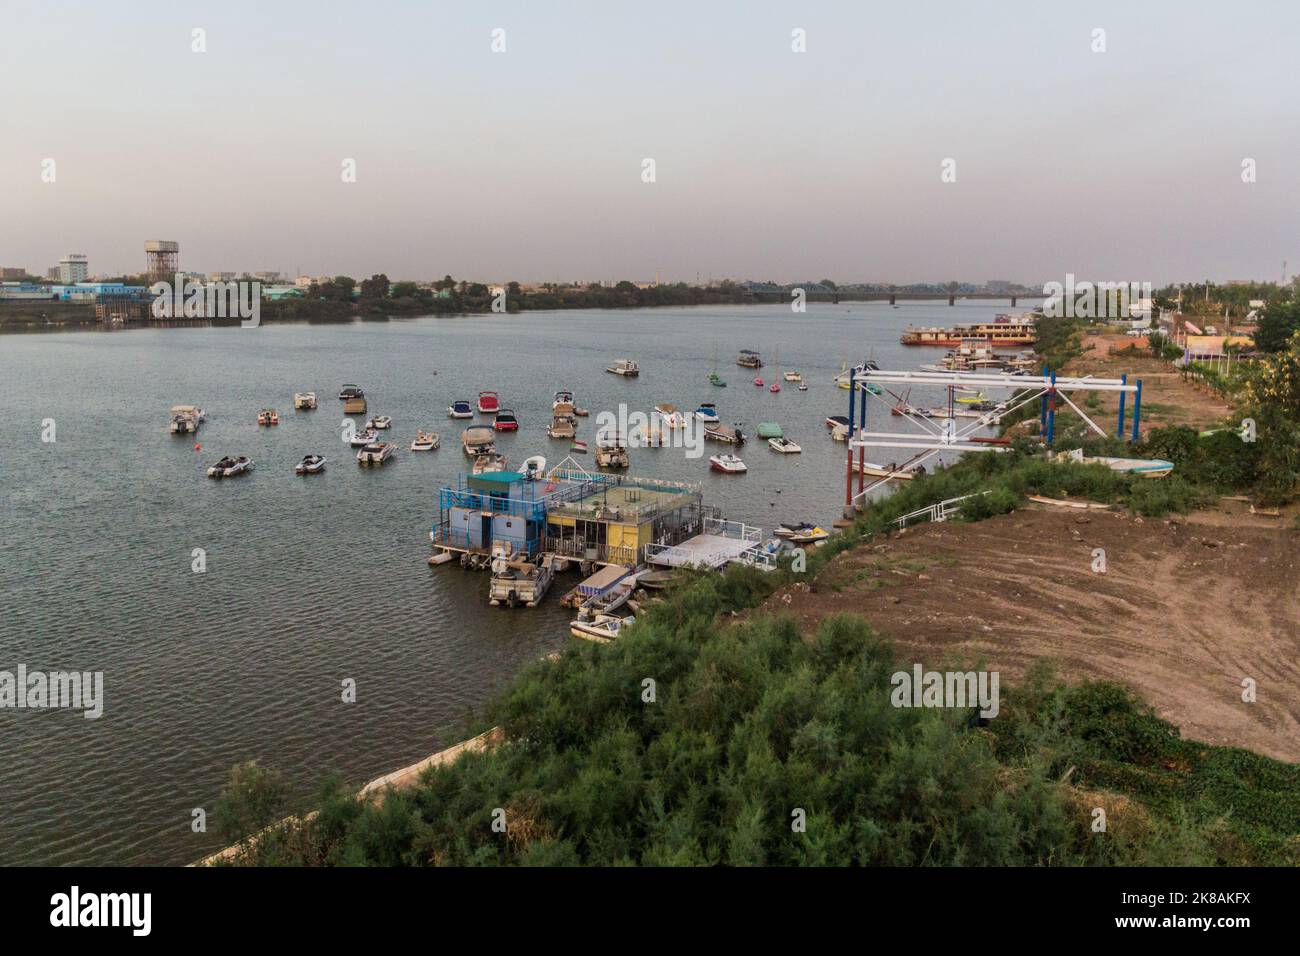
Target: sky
1124,164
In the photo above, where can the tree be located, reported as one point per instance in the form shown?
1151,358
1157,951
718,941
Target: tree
253,800
1279,321
376,287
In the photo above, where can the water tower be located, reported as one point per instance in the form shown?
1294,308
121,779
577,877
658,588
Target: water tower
161,255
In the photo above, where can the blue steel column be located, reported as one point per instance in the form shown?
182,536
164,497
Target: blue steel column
1051,411
1119,429
1137,409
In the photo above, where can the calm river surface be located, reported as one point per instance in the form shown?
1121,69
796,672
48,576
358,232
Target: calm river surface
313,580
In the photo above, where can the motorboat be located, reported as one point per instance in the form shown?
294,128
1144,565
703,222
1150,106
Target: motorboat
749,359
505,421
1142,467
803,386
792,377
186,419
304,401
730,434
707,412
791,528
460,409
229,467
488,403
478,440
727,464
350,391
625,367
670,416
604,628
310,465
489,462
808,536
837,421
364,437
376,453
784,445
425,441
563,402
268,416
380,422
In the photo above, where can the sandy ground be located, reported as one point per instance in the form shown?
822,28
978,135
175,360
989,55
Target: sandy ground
1166,398
1187,608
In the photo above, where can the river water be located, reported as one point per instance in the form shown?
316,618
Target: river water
312,581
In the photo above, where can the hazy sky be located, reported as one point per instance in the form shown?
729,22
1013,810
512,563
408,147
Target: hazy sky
527,164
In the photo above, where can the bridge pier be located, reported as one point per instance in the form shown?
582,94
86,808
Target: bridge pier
952,299
893,299
1013,302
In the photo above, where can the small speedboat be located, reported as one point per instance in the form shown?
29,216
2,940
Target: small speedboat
488,403
310,465
790,529
229,467
505,421
380,422
350,391
364,437
488,463
460,410
803,387
563,401
727,464
604,628
707,412
268,416
758,382
784,445
376,453
304,400
425,441
670,416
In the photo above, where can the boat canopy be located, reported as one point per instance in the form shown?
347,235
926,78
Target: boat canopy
603,581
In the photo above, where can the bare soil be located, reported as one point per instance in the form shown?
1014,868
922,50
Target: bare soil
1186,609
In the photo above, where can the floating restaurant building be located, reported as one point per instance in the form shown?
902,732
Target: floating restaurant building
570,513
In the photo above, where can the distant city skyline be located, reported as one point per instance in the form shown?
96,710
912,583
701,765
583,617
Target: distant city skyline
521,155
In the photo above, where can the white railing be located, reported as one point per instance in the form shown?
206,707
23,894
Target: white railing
732,529
941,511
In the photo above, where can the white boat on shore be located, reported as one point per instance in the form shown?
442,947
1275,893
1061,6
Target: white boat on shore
1142,467
604,628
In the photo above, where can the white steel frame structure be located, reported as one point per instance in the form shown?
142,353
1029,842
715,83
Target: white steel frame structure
948,436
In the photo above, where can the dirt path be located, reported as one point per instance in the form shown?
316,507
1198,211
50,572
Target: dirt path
1186,609
1166,398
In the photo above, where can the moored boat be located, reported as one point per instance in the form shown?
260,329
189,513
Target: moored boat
707,412
460,409
489,403
364,437
376,453
380,422
268,416
505,421
729,434
229,467
489,462
516,581
350,391
604,628
625,367
784,445
478,440
611,452
670,416
425,441
749,359
186,419
727,464
769,430
310,465
304,401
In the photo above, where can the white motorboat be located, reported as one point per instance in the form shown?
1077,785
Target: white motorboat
784,445
728,464
376,453
460,409
380,422
478,440
670,416
562,426
604,628
489,462
304,400
186,419
364,437
425,441
229,467
625,367
310,465
792,377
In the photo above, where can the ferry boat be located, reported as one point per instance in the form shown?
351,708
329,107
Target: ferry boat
707,412
1003,330
749,359
376,453
380,422
516,581
460,409
364,437
310,465
489,462
611,452
625,367
268,416
505,421
304,400
350,391
784,445
186,419
603,629
425,441
727,464
488,403
229,467
478,440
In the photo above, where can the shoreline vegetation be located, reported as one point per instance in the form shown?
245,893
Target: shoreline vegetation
753,724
